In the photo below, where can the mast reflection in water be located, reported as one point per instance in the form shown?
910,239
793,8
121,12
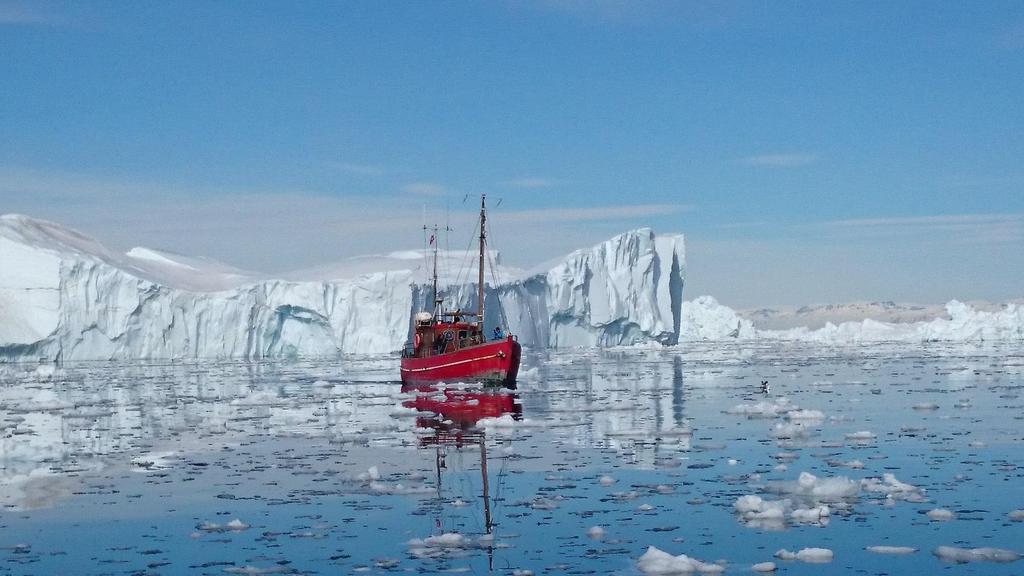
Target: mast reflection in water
454,417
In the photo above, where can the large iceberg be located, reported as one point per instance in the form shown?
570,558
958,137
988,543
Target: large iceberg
64,296
704,318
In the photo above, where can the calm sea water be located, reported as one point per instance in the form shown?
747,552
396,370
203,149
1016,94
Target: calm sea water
331,468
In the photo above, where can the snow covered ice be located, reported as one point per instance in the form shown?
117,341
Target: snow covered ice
65,296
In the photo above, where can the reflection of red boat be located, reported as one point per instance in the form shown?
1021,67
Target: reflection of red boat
447,348
454,414
459,408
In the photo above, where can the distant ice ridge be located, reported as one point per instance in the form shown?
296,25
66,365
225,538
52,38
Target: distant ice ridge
63,295
705,319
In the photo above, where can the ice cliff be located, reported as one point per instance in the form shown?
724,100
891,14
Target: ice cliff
65,296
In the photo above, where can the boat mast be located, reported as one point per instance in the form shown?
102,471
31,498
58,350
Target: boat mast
483,243
487,492
435,242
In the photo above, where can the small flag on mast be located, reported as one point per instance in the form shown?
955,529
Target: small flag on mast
431,239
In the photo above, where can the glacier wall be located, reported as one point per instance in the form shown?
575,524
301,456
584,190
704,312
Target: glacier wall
624,291
65,297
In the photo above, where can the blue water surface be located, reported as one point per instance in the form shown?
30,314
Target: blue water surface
329,468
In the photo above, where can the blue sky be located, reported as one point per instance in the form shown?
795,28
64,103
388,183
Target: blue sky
812,152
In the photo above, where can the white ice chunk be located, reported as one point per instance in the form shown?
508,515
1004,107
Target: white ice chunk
811,555
891,549
941,514
892,488
656,562
818,514
962,555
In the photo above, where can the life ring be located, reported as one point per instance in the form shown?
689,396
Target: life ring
417,340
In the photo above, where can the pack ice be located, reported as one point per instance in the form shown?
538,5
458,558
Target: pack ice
65,296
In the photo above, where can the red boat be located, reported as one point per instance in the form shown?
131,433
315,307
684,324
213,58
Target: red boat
447,348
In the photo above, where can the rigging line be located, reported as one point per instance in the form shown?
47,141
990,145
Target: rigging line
467,255
495,279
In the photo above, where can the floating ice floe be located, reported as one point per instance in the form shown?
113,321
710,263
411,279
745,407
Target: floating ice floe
257,571
963,555
861,436
1016,515
816,515
791,430
657,562
756,512
399,489
235,525
540,503
440,545
811,555
371,474
940,514
852,464
151,461
803,414
529,374
595,532
763,567
891,549
893,488
404,412
817,490
764,408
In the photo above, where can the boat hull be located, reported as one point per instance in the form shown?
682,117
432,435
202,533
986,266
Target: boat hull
494,363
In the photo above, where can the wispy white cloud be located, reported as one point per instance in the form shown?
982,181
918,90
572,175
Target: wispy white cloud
529,183
424,189
623,212
277,230
646,12
949,228
25,14
358,169
789,160
939,220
